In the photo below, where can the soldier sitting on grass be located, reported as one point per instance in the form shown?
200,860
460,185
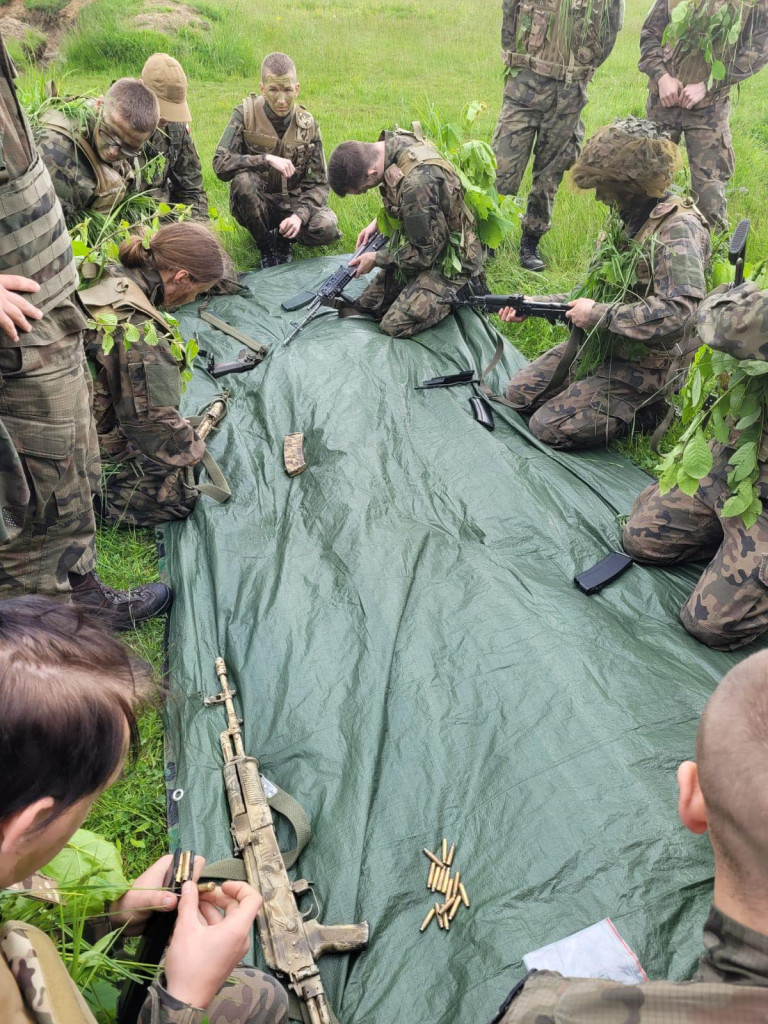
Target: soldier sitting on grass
271,152
723,793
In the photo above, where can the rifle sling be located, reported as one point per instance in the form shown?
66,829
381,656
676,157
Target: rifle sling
575,340
218,488
233,332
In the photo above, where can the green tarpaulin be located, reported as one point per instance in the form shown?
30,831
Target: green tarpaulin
413,661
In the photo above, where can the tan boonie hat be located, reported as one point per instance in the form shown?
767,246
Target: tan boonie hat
165,77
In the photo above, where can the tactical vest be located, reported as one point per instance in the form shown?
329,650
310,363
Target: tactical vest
260,136
460,218
33,236
111,186
561,42
691,66
121,296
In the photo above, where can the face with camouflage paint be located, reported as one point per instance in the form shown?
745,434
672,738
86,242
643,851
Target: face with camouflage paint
116,139
280,92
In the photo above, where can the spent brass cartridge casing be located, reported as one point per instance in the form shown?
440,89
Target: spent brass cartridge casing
206,887
431,876
439,879
464,897
444,882
440,920
427,919
449,858
456,883
445,851
447,923
432,857
454,908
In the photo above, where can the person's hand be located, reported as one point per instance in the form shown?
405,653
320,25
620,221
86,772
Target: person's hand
366,234
290,227
669,90
205,945
509,316
693,94
15,310
579,313
135,906
363,264
281,164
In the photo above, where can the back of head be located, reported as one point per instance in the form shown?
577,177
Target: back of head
632,155
187,246
134,103
164,76
349,165
68,690
278,64
732,759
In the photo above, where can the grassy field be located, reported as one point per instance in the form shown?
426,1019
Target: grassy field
363,66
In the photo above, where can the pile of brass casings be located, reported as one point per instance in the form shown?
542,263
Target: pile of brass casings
450,886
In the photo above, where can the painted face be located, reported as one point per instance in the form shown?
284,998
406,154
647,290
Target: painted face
116,139
280,92
179,292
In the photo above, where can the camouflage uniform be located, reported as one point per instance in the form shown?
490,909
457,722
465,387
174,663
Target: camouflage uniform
147,446
423,192
180,179
706,126
44,382
546,91
82,180
729,607
729,987
259,197
36,989
631,383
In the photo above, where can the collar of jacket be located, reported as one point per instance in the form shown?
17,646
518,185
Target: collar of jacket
148,279
733,953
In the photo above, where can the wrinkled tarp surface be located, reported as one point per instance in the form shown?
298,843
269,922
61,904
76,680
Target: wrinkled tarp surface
413,661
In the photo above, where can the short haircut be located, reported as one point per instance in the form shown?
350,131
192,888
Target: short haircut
135,103
68,693
732,759
349,165
277,64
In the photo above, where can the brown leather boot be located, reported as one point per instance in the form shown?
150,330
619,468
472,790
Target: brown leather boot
123,609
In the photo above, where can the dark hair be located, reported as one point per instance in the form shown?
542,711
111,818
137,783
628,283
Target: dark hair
349,165
135,103
278,64
68,690
186,246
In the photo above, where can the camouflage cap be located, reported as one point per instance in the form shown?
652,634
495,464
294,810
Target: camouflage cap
165,77
735,320
632,155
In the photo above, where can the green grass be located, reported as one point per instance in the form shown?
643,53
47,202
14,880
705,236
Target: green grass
364,65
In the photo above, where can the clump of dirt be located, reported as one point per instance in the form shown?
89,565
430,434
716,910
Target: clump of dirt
41,40
163,16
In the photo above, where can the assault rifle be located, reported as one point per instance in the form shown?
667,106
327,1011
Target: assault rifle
290,942
331,288
554,312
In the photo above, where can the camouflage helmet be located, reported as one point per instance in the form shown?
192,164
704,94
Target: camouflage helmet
735,320
631,156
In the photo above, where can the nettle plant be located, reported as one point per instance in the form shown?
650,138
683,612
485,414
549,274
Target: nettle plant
707,29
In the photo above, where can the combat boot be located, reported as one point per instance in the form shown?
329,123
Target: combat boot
282,251
123,609
529,254
269,257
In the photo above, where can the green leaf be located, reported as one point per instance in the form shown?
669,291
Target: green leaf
752,514
747,421
387,224
150,333
753,367
717,72
90,860
738,503
687,484
696,386
720,428
697,458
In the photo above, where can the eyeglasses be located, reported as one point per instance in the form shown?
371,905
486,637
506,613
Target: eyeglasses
115,142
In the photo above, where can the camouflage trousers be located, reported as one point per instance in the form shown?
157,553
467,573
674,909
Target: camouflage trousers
406,309
45,404
261,212
729,607
143,493
710,153
592,411
543,115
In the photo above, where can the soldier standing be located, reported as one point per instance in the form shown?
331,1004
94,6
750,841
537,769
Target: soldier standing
180,178
729,606
271,152
94,164
681,101
630,166
422,192
551,51
45,392
721,793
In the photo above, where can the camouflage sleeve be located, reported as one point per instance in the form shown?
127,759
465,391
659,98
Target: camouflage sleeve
185,179
752,53
146,385
425,228
651,54
508,21
230,157
680,253
736,320
314,186
614,21
160,1007
72,179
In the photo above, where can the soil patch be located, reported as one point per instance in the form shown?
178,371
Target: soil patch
167,17
16,22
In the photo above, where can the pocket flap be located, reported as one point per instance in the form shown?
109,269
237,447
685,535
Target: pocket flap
45,440
163,385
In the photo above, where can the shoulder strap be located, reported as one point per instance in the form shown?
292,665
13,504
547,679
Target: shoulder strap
255,119
675,204
575,341
122,295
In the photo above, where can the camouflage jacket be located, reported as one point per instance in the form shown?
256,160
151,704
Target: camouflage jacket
749,55
558,40
729,987
180,178
428,201
307,190
137,392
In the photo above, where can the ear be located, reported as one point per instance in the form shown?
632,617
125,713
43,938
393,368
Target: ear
15,829
690,803
99,102
261,88
181,277
296,90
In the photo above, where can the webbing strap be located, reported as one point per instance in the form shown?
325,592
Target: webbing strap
575,340
233,332
297,1010
218,488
